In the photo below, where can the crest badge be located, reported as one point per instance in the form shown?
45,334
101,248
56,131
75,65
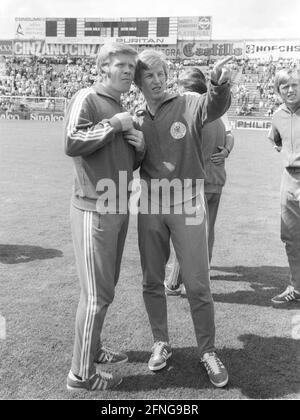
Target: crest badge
178,130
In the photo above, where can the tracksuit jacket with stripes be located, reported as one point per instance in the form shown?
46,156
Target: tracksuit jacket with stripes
97,151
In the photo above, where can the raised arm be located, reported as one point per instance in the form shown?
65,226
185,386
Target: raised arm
218,97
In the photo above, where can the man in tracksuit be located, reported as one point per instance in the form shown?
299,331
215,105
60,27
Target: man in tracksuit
285,135
172,125
100,137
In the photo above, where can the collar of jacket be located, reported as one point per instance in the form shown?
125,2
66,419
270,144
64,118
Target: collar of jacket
286,109
100,89
167,98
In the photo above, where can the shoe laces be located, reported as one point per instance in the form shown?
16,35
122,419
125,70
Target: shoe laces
213,363
108,354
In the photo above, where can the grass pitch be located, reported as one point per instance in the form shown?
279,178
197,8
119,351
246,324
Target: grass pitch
39,287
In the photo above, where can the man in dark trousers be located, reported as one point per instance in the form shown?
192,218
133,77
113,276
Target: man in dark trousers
172,126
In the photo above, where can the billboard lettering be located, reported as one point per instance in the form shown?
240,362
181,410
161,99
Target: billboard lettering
40,48
33,116
253,124
279,49
211,49
170,51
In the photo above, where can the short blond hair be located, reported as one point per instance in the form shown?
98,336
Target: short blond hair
110,50
147,59
283,75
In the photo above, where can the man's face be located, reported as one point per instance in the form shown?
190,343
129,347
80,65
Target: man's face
154,83
290,91
120,73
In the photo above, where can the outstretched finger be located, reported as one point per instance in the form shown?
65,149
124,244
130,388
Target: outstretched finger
224,61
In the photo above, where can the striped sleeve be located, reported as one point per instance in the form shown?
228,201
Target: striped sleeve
82,136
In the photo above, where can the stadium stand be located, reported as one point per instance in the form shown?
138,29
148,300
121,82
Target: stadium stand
47,79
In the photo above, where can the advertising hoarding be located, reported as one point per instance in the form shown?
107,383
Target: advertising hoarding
29,28
194,27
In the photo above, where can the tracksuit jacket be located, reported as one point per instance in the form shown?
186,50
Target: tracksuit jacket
285,132
174,138
97,151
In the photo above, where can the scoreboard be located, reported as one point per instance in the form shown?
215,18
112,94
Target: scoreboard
162,30
142,31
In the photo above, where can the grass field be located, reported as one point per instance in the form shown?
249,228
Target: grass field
39,288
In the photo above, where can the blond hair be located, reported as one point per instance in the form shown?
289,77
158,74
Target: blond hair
146,60
110,50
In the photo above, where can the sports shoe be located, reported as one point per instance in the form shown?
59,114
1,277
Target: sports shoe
173,290
109,357
216,371
100,381
161,352
289,295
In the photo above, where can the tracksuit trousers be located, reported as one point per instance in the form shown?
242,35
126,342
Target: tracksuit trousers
190,244
290,222
212,202
98,243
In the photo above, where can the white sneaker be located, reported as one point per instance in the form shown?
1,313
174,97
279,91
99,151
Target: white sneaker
216,371
161,352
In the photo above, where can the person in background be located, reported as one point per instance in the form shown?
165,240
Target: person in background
285,136
218,142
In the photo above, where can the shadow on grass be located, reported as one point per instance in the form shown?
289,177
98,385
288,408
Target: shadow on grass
17,254
265,282
266,368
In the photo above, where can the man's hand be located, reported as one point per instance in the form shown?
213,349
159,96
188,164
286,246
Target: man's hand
135,138
219,157
220,73
122,121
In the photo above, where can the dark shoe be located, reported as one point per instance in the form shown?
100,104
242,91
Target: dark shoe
289,295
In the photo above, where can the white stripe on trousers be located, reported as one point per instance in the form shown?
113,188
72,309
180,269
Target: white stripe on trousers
92,296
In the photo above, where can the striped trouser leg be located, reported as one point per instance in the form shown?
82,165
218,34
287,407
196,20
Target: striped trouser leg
98,244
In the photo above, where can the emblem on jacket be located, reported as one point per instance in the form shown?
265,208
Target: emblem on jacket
178,130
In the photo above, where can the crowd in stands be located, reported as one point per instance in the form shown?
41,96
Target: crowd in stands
255,88
62,77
